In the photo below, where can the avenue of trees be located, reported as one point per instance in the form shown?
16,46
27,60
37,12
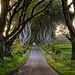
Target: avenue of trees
25,35
21,10
44,25
22,19
69,17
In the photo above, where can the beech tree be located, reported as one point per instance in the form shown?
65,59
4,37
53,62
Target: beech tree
44,25
42,30
69,18
25,35
9,10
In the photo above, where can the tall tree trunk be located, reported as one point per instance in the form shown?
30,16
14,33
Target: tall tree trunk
2,26
73,47
1,49
7,46
68,19
7,51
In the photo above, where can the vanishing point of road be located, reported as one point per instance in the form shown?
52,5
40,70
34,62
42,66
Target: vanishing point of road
36,65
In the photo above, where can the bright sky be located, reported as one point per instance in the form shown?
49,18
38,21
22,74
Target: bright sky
72,7
72,11
69,1
60,30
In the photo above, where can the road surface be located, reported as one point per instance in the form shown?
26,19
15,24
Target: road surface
36,65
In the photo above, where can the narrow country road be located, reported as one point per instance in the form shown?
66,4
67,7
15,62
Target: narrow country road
36,65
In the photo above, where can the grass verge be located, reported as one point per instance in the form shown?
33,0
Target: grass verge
10,64
66,48
68,69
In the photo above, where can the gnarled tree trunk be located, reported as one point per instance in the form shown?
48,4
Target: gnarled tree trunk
7,51
1,49
68,18
7,47
73,47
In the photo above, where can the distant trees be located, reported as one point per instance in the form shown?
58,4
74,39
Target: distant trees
42,30
44,24
25,35
15,14
69,15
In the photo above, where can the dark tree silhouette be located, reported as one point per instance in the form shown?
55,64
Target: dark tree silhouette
69,17
10,10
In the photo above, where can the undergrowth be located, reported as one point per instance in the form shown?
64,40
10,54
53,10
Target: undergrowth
20,55
59,59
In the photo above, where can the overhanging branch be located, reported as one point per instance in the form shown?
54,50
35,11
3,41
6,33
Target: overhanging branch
26,21
12,6
22,25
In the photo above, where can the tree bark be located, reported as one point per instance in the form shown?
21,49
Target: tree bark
17,30
1,49
7,47
73,47
7,51
68,19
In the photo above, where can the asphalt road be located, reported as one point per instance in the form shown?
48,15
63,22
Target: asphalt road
36,65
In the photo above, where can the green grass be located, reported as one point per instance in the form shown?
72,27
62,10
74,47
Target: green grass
10,64
61,62
66,48
63,45
62,68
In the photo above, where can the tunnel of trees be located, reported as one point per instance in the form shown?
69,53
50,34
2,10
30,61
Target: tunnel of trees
34,21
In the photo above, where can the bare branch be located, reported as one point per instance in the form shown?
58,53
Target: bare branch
67,17
26,21
16,29
36,6
70,4
67,37
22,25
12,6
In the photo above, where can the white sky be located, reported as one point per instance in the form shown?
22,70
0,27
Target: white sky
72,7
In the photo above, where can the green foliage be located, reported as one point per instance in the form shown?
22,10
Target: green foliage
66,48
18,49
63,69
54,10
39,45
48,45
51,47
20,55
27,47
24,51
10,64
30,47
57,50
49,17
61,62
64,45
